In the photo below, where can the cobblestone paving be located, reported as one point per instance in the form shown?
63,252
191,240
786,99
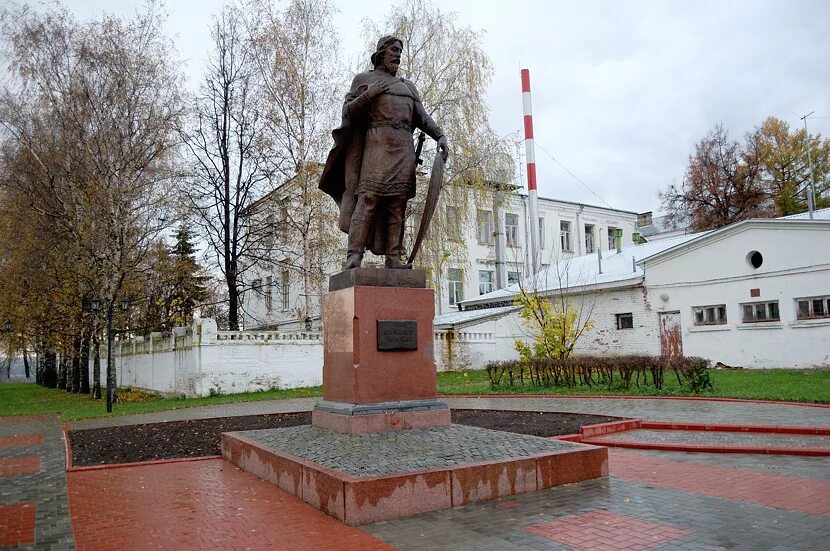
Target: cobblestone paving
402,451
714,438
46,488
817,468
691,411
711,522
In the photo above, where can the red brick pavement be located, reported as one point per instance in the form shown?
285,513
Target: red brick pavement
19,440
15,466
199,505
604,531
17,524
794,493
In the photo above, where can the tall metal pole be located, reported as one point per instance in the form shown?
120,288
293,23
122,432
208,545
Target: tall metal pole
110,368
811,198
530,156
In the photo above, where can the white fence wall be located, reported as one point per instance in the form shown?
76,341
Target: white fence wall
199,360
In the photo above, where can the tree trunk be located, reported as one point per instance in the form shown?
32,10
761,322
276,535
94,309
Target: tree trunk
64,381
39,367
233,304
84,367
50,369
26,363
96,366
76,364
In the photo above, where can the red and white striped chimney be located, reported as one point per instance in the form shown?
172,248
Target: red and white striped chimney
530,157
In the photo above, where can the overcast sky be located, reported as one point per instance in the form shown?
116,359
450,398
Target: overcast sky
622,90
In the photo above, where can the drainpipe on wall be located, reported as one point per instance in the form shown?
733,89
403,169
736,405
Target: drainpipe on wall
527,235
501,241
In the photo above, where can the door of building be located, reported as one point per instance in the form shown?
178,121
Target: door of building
671,339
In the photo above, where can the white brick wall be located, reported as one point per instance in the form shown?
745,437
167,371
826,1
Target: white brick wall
605,338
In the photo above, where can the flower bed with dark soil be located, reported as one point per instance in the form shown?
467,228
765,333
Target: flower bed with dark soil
200,437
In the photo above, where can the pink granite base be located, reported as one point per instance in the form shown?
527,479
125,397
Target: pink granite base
380,422
362,500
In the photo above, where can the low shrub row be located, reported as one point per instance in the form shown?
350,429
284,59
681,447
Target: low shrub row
595,370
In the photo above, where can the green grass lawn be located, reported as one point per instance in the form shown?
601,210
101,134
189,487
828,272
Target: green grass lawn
775,384
769,384
30,399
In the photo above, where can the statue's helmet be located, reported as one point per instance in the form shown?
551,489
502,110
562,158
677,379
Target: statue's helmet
384,42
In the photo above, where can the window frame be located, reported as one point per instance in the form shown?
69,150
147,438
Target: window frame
454,232
481,282
767,312
268,295
484,227
455,298
565,236
810,301
511,231
612,238
704,310
589,236
624,316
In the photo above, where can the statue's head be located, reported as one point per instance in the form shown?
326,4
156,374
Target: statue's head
388,53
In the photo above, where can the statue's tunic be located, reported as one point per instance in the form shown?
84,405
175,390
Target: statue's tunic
374,151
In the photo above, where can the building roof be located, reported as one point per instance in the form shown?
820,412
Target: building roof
660,225
580,272
820,214
470,317
703,238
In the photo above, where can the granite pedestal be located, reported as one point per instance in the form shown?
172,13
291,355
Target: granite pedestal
381,444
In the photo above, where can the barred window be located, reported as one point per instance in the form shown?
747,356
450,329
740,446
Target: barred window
710,315
625,321
754,312
813,307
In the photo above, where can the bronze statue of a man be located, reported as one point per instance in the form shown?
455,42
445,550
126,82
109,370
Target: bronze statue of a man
370,171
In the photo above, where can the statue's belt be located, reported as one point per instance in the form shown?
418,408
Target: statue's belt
397,125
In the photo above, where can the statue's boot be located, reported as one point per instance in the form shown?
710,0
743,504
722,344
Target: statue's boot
394,236
358,234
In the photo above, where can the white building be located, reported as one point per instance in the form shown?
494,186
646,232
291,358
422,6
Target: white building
753,294
493,230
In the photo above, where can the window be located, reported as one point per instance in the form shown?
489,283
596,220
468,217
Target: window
612,238
589,238
485,227
760,311
625,321
256,285
455,278
710,315
269,305
541,232
453,223
812,307
565,235
285,289
511,228
512,277
485,281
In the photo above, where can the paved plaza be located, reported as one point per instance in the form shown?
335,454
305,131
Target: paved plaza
651,500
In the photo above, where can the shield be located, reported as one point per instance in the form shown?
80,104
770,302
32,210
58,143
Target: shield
431,202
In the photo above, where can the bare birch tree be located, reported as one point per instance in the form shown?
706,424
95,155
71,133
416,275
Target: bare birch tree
228,171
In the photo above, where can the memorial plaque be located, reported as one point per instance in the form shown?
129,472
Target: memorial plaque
397,335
